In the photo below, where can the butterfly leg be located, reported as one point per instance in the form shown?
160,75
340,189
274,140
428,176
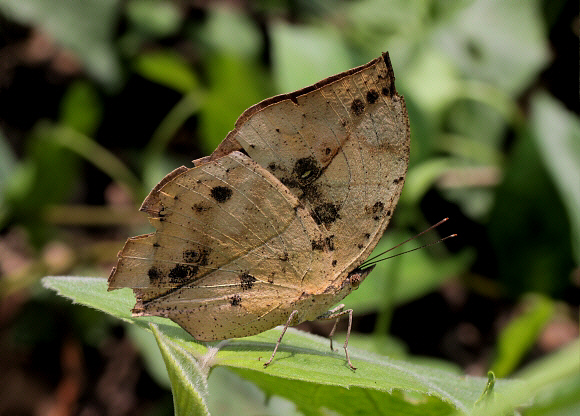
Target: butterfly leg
333,311
337,313
290,318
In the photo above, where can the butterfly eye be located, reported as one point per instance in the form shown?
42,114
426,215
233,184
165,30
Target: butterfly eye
355,280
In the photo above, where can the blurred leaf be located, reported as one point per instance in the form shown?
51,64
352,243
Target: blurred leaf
481,128
516,339
423,176
558,399
188,380
87,27
557,134
377,18
435,89
8,164
166,68
154,362
154,18
47,175
540,380
234,85
503,43
81,108
528,226
155,164
243,397
229,32
8,160
304,370
96,154
303,55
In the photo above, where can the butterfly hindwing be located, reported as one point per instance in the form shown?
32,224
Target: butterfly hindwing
228,234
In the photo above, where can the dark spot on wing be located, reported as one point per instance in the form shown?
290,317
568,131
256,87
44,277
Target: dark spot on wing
323,244
326,213
156,245
221,193
318,244
154,274
357,107
236,300
327,150
196,256
182,272
272,166
375,210
306,170
372,96
329,241
247,281
334,263
198,207
387,91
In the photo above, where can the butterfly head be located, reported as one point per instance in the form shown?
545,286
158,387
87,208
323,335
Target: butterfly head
355,278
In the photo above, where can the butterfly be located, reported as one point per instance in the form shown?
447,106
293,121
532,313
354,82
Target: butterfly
273,226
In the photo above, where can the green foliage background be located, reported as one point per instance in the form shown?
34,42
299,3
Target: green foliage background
124,92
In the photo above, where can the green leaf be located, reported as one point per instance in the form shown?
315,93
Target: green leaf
154,18
81,108
521,333
87,27
528,210
304,363
557,134
235,84
146,343
481,40
188,380
8,165
549,387
296,48
168,69
229,32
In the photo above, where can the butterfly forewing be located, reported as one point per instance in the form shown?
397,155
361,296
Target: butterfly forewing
342,149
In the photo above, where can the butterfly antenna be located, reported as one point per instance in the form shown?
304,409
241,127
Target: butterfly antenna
371,261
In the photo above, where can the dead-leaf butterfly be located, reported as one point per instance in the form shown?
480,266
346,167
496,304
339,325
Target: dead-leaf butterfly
272,227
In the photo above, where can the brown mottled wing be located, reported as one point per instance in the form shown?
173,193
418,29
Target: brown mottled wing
342,148
231,243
